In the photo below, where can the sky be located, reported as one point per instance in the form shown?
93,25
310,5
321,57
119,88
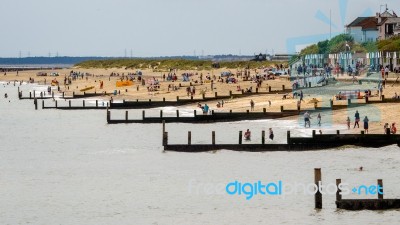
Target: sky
145,28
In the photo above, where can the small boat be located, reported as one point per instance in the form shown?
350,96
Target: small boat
87,88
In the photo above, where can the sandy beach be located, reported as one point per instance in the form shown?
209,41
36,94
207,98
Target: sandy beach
387,112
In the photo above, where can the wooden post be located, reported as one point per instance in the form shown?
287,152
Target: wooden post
35,102
30,95
163,99
383,97
309,84
230,93
143,115
161,114
313,133
42,104
165,138
63,95
163,127
126,115
195,113
283,87
338,195
189,137
97,103
149,100
264,110
240,137
73,94
263,137
331,103
52,94
362,132
34,93
83,101
247,111
366,99
269,89
177,113
380,189
288,137
318,194
203,96
388,131
281,108
108,115
216,94
337,132
56,104
69,102
177,98
257,90
348,101
213,137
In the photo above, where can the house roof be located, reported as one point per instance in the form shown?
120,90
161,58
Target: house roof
390,20
366,23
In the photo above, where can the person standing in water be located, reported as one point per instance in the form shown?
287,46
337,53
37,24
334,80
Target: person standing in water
348,123
271,134
247,135
366,120
319,119
357,119
251,105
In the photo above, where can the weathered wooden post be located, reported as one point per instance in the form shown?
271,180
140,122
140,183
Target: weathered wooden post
163,99
362,132
165,138
318,194
383,98
380,189
56,104
263,137
30,95
331,103
108,115
313,133
281,108
203,96
97,103
213,137
189,137
52,94
34,94
194,113
388,131
283,87
216,94
163,127
177,98
63,95
366,99
177,113
288,137
35,102
348,101
69,102
247,111
337,132
126,115
73,94
309,84
240,137
230,93
83,101
257,90
269,88
338,195
150,100
143,115
264,110
230,111
161,114
42,104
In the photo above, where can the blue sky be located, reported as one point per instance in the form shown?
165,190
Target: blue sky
169,27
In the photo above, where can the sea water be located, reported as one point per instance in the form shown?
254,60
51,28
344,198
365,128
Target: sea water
71,167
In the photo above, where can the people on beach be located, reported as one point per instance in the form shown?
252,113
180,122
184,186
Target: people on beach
366,120
357,119
205,109
348,123
393,129
307,118
271,134
247,135
251,105
301,96
269,103
319,119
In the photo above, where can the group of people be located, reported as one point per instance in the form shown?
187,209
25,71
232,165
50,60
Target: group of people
247,135
307,119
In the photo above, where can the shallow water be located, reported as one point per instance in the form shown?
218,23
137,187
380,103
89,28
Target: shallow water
70,167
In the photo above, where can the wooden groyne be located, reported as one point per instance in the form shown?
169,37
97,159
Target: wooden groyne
356,204
43,95
179,101
316,142
70,107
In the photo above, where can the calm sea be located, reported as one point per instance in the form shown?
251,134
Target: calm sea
70,167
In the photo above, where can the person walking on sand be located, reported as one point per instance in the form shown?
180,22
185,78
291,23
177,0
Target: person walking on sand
393,129
301,96
271,134
357,119
366,120
247,135
251,105
348,123
319,119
